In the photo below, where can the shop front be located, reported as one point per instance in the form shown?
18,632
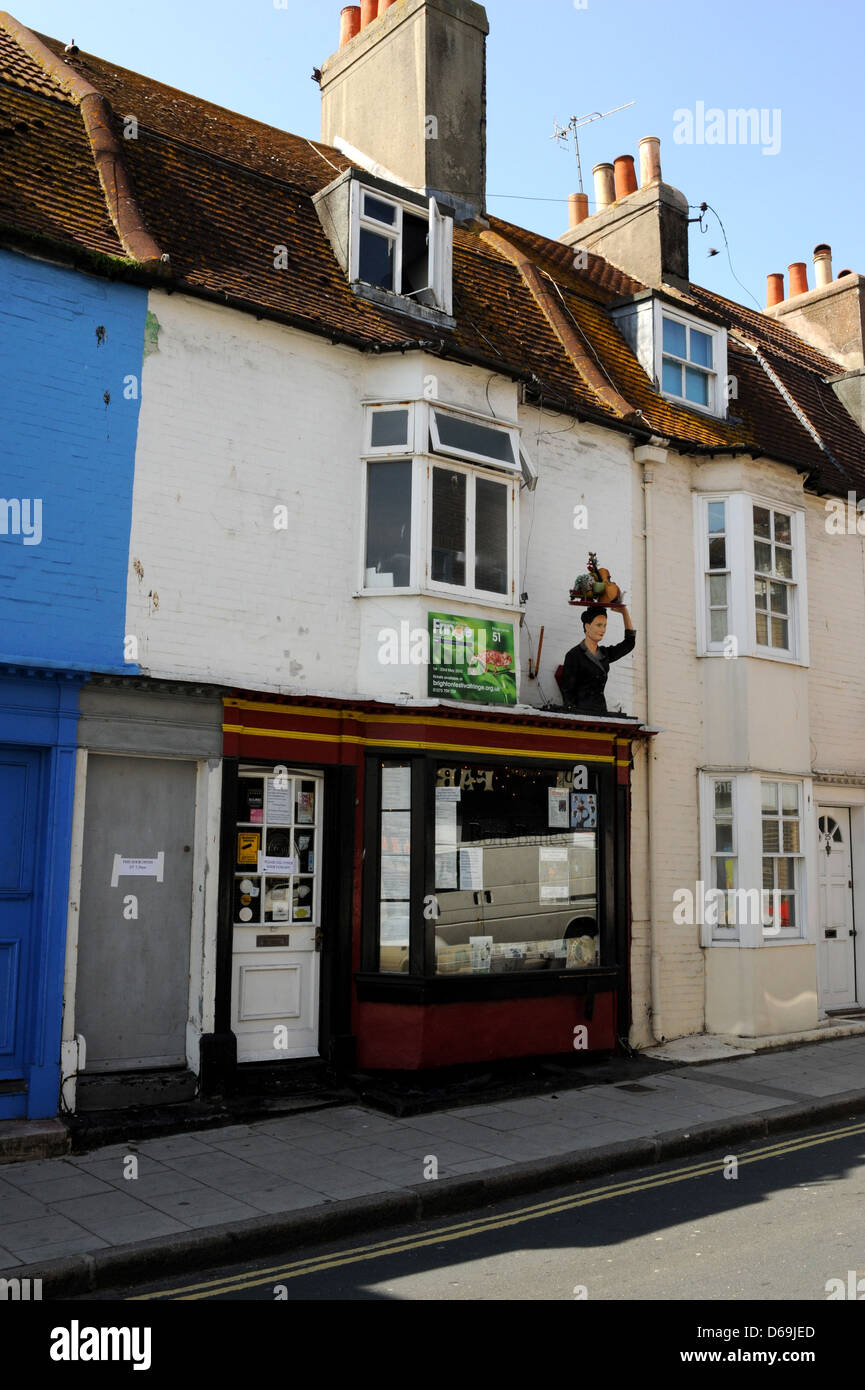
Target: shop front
408,888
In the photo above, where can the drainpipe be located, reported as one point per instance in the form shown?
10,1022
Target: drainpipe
649,455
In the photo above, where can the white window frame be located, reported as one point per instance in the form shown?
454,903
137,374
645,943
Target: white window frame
799,889
470,590
741,574
439,243
715,934
487,460
390,450
748,852
717,406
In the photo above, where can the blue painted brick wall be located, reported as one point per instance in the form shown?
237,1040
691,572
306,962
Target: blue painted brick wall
63,600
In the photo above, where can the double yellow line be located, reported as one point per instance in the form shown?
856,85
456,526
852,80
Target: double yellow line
315,1264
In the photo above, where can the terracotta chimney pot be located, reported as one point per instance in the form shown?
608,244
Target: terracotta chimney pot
578,207
349,24
798,273
625,177
650,160
368,12
605,192
822,264
774,289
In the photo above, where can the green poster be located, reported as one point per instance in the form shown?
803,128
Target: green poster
472,659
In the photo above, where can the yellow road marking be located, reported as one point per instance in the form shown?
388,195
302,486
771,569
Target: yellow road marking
479,1226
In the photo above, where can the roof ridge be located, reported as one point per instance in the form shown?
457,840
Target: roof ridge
97,117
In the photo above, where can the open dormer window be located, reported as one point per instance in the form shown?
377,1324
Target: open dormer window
401,246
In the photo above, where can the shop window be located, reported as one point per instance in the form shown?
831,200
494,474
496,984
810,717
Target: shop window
486,869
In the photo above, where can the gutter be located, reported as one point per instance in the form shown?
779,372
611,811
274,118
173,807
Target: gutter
98,120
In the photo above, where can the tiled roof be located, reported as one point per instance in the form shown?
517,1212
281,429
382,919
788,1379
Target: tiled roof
218,192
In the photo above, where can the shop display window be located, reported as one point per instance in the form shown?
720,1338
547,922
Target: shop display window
499,862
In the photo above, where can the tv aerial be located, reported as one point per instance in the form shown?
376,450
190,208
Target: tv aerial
563,133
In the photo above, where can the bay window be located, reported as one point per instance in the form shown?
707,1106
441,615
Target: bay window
441,502
751,577
753,867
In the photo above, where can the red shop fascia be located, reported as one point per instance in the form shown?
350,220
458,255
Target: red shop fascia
472,900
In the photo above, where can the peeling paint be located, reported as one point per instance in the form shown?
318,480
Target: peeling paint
152,330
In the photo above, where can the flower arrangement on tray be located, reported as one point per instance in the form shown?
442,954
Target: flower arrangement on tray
596,586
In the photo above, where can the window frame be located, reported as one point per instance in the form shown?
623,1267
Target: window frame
471,590
496,426
748,850
714,934
717,406
741,575
439,243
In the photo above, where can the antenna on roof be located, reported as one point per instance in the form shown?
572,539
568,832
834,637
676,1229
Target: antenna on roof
563,133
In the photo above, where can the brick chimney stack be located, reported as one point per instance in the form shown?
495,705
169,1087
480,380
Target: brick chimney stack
407,88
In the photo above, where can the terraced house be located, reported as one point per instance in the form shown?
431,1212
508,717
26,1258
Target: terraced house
320,445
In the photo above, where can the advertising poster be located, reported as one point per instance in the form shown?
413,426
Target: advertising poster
472,660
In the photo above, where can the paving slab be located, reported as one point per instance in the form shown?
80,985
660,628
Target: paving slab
76,1218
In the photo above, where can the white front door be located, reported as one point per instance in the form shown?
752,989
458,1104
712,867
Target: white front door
836,950
277,915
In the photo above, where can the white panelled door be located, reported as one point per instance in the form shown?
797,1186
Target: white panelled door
836,950
276,912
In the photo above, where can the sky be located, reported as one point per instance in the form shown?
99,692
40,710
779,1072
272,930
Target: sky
796,181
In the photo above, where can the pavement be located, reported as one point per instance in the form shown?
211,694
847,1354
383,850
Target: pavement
152,1207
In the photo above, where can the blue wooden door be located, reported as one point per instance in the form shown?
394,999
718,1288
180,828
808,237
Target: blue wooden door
19,909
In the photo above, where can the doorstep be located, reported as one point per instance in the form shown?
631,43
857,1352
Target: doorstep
716,1047
21,1140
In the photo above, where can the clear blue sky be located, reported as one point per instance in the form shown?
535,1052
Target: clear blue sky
550,60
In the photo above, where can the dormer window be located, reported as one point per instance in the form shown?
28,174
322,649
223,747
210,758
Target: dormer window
402,247
690,360
683,354
395,245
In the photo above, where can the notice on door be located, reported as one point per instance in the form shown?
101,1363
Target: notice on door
138,868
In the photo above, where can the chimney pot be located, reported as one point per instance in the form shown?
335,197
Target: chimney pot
605,192
625,177
798,273
578,206
650,159
368,12
349,24
774,289
822,264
